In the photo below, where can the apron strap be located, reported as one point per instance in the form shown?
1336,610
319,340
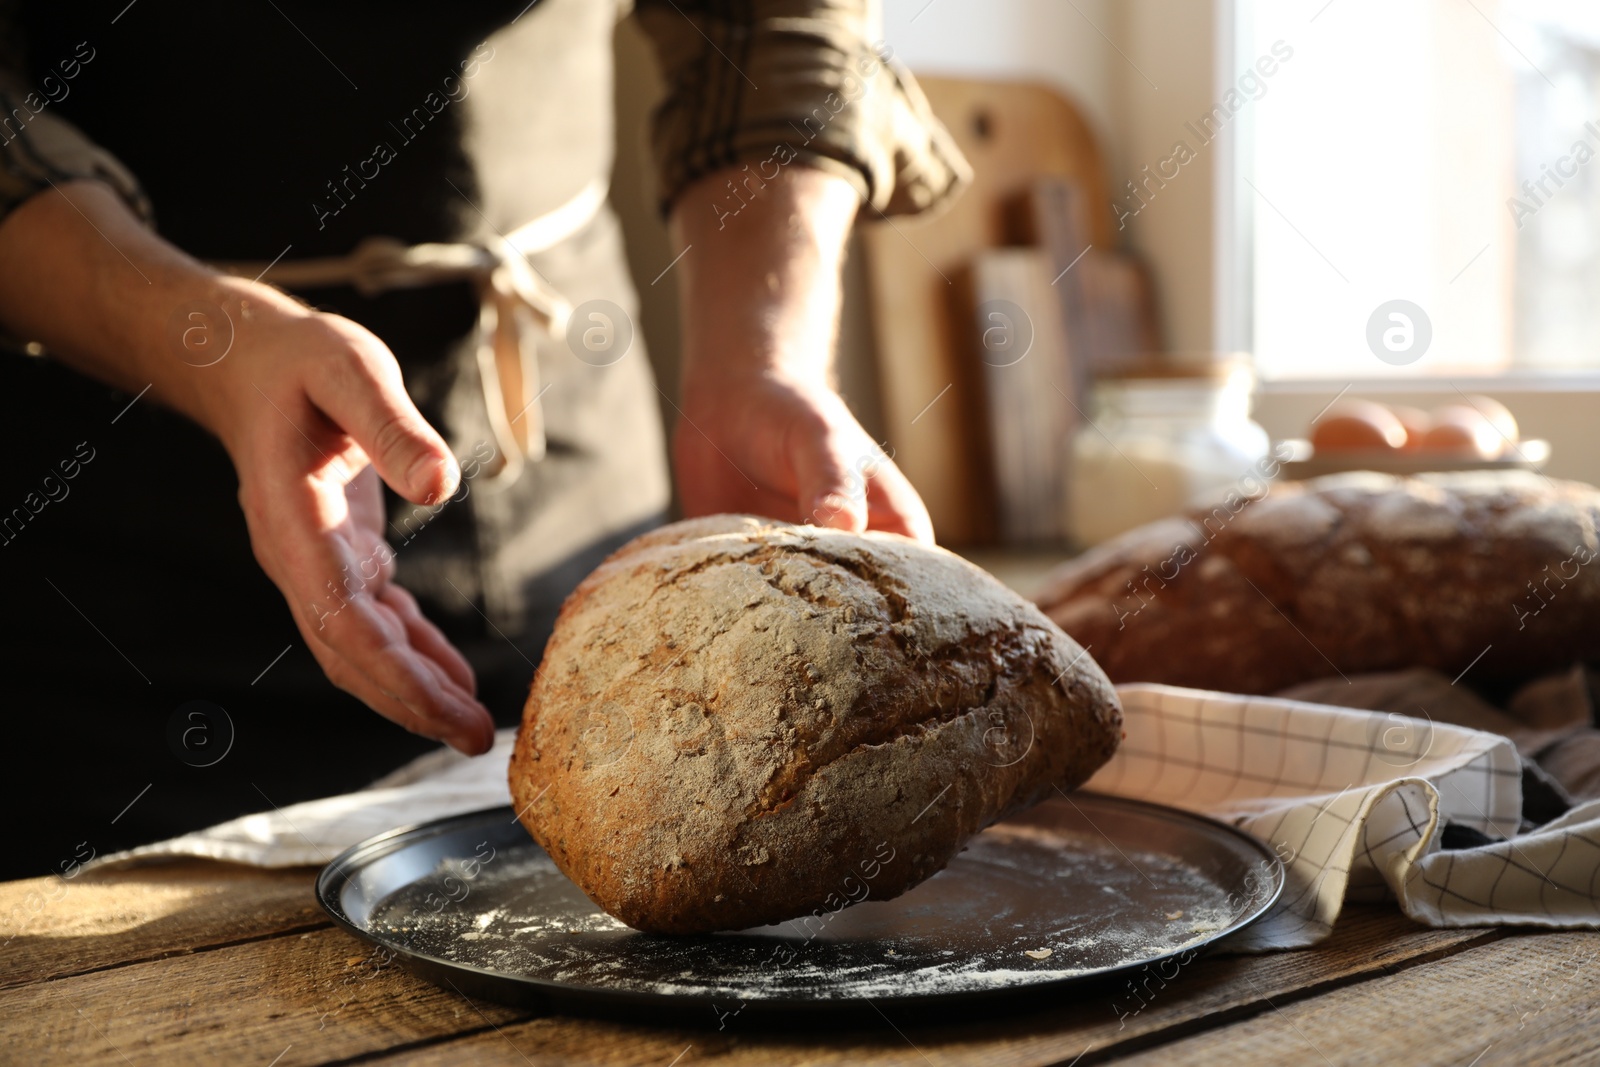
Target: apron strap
515,306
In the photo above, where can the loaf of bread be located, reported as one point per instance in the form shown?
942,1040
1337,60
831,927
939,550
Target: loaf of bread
1345,574
740,721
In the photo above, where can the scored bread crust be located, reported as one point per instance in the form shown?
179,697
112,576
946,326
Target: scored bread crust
1492,571
740,721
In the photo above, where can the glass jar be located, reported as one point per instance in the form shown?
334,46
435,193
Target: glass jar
1160,442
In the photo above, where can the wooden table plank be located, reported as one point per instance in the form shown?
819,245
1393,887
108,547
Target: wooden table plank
203,962
322,992
51,927
1525,1000
1091,1023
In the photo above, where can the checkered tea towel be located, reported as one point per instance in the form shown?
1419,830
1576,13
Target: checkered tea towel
1354,802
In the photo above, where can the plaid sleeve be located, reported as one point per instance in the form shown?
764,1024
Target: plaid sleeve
37,146
763,83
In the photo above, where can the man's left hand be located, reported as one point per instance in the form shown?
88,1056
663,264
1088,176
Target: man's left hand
789,449
761,428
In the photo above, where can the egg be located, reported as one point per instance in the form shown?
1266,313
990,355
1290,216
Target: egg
1417,423
1357,426
1462,431
1497,413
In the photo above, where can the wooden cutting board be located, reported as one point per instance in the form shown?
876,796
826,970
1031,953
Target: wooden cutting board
930,392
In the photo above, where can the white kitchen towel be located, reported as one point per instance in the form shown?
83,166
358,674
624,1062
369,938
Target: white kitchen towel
313,832
1354,802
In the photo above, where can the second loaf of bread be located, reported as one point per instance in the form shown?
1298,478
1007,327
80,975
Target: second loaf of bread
1492,571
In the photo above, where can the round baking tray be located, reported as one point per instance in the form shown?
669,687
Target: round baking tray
1074,889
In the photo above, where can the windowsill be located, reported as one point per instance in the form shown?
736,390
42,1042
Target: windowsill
1559,408
1510,382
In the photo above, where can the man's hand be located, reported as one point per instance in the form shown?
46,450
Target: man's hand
311,409
791,450
313,412
761,428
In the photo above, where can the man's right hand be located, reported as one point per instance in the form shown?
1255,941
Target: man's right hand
311,409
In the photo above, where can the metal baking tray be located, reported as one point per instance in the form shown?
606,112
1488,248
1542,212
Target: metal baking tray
1076,888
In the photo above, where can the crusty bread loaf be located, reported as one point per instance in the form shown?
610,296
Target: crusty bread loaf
1345,574
739,721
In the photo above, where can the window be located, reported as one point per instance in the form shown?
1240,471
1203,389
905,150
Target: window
1440,153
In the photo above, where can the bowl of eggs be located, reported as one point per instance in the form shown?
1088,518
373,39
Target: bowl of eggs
1474,433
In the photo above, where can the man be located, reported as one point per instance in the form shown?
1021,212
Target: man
430,184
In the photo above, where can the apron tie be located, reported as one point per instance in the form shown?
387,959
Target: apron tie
515,306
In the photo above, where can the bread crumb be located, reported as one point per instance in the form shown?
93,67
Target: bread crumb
1038,953
1171,915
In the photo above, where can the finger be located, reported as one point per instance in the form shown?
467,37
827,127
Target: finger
402,675
309,545
831,491
372,639
471,742
475,736
364,499
344,616
893,504
428,639
363,393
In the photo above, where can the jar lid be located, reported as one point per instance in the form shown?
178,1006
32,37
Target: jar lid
1176,367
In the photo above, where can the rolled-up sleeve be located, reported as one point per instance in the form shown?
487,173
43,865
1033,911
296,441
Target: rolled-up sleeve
764,83
37,146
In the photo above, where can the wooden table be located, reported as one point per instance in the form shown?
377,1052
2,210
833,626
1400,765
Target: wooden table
204,963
